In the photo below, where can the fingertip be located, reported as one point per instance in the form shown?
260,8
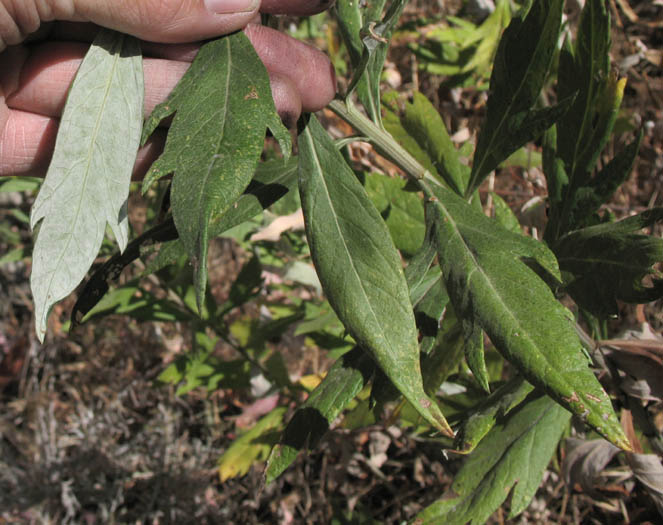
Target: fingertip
171,21
286,99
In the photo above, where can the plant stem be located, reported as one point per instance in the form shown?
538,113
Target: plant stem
382,141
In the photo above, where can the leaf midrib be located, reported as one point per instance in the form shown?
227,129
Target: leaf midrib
202,218
318,166
489,282
86,177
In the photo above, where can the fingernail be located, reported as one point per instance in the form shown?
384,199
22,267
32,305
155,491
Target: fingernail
224,7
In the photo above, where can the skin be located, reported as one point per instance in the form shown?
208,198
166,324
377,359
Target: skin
42,47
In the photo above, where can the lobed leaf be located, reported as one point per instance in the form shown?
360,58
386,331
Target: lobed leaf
608,262
482,420
359,267
511,458
87,182
491,286
223,107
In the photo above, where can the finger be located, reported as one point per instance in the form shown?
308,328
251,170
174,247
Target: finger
308,68
286,98
295,7
27,141
39,84
155,20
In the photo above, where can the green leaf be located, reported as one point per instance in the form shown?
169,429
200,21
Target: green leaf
584,68
247,284
521,65
311,421
359,267
254,445
393,124
512,457
608,262
493,408
8,184
423,122
428,310
201,369
491,286
573,149
87,183
402,210
273,180
504,215
446,354
473,339
223,107
135,302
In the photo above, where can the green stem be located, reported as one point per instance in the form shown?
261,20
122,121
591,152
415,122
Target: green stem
383,142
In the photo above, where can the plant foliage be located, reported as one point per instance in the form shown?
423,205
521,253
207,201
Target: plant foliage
416,278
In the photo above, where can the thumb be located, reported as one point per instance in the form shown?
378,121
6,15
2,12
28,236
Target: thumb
164,21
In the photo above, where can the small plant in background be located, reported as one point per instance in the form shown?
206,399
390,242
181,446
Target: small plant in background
421,289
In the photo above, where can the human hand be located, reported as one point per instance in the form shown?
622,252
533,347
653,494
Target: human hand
35,76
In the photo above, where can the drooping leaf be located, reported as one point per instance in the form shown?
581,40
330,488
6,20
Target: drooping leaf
521,65
648,470
311,421
608,262
223,107
489,284
273,179
585,460
359,267
402,210
99,283
254,445
511,458
87,183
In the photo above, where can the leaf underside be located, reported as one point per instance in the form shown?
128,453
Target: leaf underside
87,182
